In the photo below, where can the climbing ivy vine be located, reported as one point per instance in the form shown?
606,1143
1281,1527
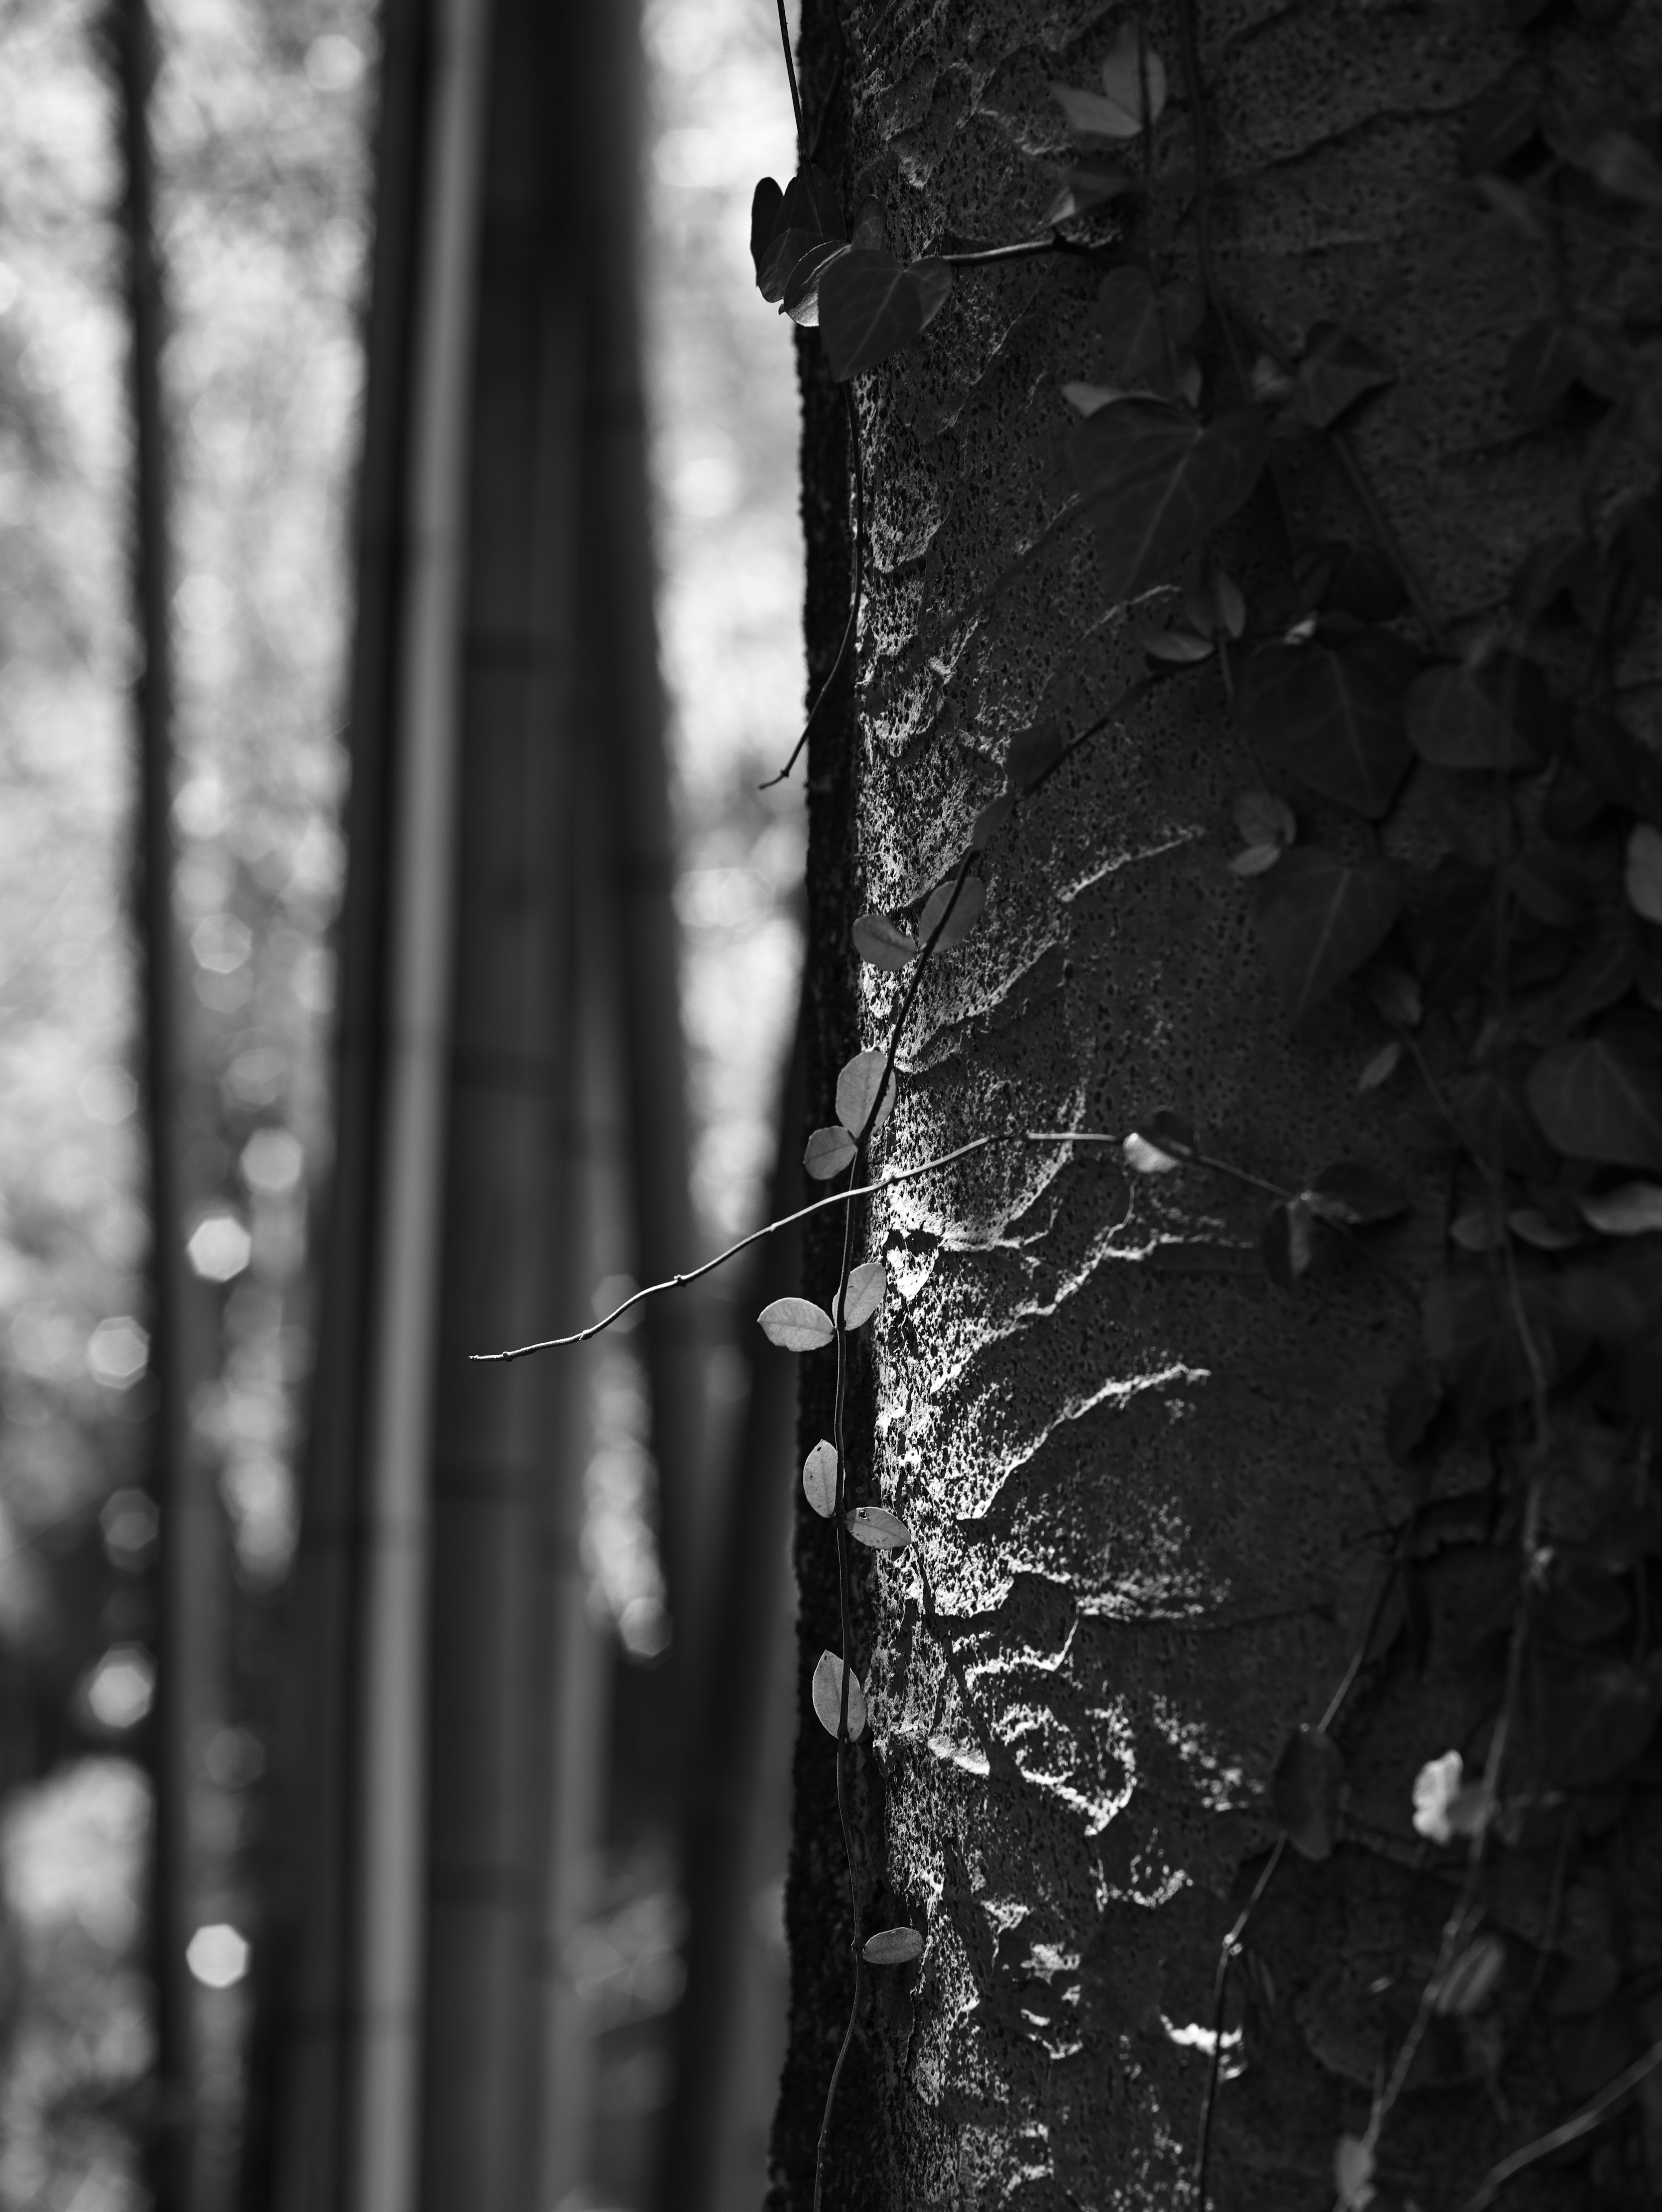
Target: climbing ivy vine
1516,980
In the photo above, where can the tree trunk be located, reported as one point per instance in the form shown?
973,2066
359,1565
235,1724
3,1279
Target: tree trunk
1154,1515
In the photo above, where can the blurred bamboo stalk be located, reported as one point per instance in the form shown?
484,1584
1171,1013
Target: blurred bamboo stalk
185,1550
719,1850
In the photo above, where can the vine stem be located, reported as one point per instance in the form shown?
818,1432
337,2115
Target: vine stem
852,624
790,72
1568,2132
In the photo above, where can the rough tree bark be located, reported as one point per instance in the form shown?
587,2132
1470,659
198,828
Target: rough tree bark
1149,1491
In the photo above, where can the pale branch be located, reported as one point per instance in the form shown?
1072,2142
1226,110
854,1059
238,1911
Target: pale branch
786,1221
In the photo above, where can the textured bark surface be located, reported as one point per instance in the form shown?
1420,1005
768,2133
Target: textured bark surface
1150,1492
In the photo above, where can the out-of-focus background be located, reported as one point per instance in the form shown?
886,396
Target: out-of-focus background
281,130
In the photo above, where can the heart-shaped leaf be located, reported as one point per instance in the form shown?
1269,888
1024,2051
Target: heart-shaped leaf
1154,481
1335,372
766,207
800,297
828,1697
1134,90
820,1478
870,305
829,1151
857,1092
866,1285
1033,753
1320,919
878,1529
1601,1099
1304,1792
1473,1334
1084,186
1332,715
796,1325
882,942
806,213
892,1947
1146,333
1286,1242
1346,579
953,908
1498,715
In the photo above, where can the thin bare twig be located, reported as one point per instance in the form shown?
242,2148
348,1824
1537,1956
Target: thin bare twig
852,624
790,72
1569,2131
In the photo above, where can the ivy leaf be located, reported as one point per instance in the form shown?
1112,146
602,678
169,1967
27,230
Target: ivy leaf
1304,1792
829,1151
1601,1099
856,1089
993,816
1350,580
1472,1979
828,1697
1335,372
866,1285
1264,819
1147,333
800,297
1320,919
966,907
1286,1242
892,1947
1155,482
820,1478
1033,753
1471,1332
1382,1067
1354,1196
867,228
883,944
796,1325
1084,186
1452,931
878,1529
767,203
1118,111
870,306
1617,163
1596,1719
1634,1210
1642,871
1332,715
1500,127
808,213
1498,715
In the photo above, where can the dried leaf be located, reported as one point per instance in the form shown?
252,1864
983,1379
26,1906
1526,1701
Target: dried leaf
796,1325
820,1478
877,1528
892,1947
857,1090
828,1697
881,943
1286,1243
829,1151
867,1286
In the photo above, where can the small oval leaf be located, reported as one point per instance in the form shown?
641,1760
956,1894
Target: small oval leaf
954,909
876,1526
892,1947
796,1325
1033,753
1146,1159
828,1697
857,1088
1635,1209
866,1285
993,816
820,1478
829,1151
881,943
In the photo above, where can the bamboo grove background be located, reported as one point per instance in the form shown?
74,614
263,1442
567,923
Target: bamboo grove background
394,625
